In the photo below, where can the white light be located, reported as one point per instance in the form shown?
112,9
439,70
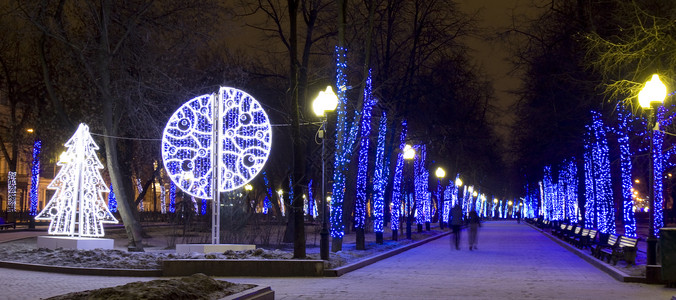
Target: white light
458,182
653,91
244,136
409,152
325,101
78,199
440,172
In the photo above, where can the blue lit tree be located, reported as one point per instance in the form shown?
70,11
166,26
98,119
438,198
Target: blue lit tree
346,135
35,178
570,180
380,181
395,218
421,188
172,197
362,168
548,194
623,120
599,206
311,208
112,202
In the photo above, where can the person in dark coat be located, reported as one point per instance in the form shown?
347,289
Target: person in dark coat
456,222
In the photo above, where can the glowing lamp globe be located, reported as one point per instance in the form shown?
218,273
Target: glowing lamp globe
325,101
475,194
440,172
495,200
458,182
653,91
409,152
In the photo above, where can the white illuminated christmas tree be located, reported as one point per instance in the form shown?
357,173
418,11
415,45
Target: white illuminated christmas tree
78,200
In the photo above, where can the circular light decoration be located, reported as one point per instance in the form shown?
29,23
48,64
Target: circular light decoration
245,137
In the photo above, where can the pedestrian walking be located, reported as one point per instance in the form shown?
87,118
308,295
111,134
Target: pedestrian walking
456,222
474,224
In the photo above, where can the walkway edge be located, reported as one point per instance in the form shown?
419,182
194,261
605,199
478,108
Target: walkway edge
619,276
82,271
255,293
340,271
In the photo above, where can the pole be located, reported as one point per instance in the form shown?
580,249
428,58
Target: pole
215,182
652,240
324,233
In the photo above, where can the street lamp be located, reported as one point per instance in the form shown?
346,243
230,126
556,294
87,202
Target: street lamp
494,208
409,154
650,98
441,173
325,101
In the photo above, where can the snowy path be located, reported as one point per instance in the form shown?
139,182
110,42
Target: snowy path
514,261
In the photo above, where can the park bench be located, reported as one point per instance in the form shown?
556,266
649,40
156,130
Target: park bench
625,249
589,241
4,225
565,232
577,239
557,231
606,250
570,237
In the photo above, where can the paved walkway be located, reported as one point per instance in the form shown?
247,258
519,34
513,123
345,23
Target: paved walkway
514,261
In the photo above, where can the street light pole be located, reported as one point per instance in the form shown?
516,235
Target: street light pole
409,154
325,101
651,97
324,233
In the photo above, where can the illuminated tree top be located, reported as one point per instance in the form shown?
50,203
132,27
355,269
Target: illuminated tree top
78,199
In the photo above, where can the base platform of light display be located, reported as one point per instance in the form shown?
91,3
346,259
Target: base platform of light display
212,248
78,243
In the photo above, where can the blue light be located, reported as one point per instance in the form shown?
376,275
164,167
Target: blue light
658,172
35,178
380,177
112,202
421,185
362,168
311,200
172,197
268,188
623,119
345,140
598,185
396,181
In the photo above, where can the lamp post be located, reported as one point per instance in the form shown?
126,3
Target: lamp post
650,98
494,207
475,194
409,154
440,173
325,101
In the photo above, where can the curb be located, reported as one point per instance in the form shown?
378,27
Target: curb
618,275
82,271
256,293
337,272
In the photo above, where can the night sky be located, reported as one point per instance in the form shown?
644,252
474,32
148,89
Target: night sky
496,16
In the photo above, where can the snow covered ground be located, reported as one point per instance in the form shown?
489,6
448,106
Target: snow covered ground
25,250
